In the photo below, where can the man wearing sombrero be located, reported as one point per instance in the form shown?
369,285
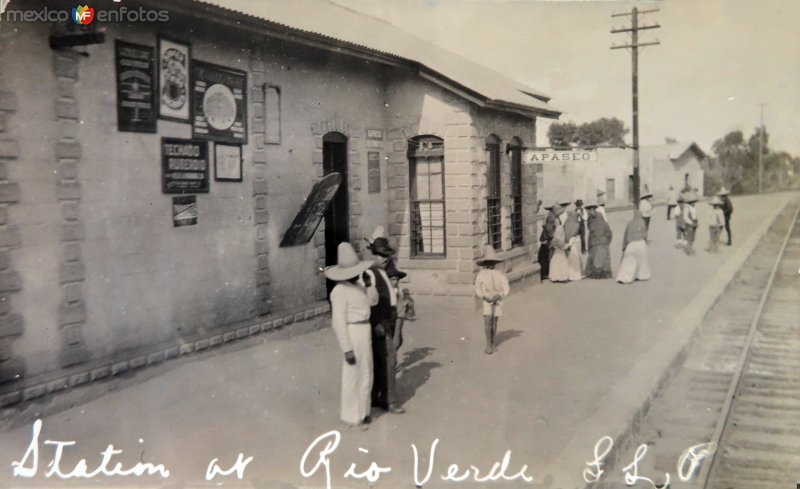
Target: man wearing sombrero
727,210
350,312
383,317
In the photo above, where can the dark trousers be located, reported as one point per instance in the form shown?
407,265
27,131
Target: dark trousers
544,260
669,211
384,362
728,228
582,232
646,223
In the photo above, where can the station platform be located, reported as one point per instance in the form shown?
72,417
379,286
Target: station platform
575,362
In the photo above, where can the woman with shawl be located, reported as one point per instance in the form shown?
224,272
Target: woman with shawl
572,236
598,264
559,268
634,252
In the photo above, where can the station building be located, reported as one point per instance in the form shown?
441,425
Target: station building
150,168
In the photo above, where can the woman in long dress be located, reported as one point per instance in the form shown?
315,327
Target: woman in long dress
559,268
598,263
572,235
634,252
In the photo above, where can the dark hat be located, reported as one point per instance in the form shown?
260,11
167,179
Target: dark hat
380,246
579,202
392,271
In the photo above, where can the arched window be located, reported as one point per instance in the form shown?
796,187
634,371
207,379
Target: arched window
515,148
493,191
426,191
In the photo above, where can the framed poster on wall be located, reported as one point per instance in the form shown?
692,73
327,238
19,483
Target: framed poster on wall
136,90
173,80
227,163
219,103
184,166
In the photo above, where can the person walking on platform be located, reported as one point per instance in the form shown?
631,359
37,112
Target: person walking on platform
583,217
350,311
646,207
672,202
680,224
573,248
690,221
491,286
715,225
383,316
545,241
727,211
601,204
634,264
559,267
598,263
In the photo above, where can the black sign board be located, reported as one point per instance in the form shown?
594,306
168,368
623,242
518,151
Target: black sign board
219,100
136,93
312,212
184,166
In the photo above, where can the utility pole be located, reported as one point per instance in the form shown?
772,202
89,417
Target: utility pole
760,146
634,47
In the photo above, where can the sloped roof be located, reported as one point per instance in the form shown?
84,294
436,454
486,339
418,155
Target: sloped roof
669,151
327,20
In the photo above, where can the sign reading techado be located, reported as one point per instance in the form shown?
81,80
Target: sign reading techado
534,156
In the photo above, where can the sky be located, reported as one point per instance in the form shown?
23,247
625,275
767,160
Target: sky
717,60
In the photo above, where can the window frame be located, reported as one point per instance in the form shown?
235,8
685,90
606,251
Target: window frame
416,155
517,193
494,198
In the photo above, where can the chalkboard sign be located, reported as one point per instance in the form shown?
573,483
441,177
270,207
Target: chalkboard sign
307,220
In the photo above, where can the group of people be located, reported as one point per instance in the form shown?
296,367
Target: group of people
569,233
368,310
686,220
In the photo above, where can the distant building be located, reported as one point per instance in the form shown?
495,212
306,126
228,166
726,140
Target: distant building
576,174
137,228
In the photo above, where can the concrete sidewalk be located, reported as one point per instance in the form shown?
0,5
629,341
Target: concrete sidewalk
574,361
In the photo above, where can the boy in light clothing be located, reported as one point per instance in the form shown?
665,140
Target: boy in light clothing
716,223
491,286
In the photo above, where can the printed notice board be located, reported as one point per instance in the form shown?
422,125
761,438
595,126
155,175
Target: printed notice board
184,166
219,101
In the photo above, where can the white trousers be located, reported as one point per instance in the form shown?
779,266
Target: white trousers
357,379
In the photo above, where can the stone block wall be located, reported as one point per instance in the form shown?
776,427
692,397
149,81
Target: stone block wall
12,324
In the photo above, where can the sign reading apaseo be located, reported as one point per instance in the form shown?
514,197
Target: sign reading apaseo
219,103
574,155
184,166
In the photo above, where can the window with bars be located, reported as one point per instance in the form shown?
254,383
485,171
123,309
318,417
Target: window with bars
493,192
426,173
516,193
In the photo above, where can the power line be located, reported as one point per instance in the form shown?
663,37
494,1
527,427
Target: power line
634,46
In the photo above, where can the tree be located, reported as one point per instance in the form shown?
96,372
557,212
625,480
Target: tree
562,135
601,132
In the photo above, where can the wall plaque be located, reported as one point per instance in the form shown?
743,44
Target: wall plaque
373,172
136,91
184,166
173,80
184,210
219,101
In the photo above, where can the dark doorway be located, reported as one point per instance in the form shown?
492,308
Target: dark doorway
337,222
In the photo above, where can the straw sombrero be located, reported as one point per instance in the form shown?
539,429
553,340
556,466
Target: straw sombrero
591,202
347,264
715,200
692,197
723,191
489,256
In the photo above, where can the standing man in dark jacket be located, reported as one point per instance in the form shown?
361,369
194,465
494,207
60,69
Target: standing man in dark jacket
727,211
383,317
545,239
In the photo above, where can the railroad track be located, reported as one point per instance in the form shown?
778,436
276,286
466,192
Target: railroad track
734,406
